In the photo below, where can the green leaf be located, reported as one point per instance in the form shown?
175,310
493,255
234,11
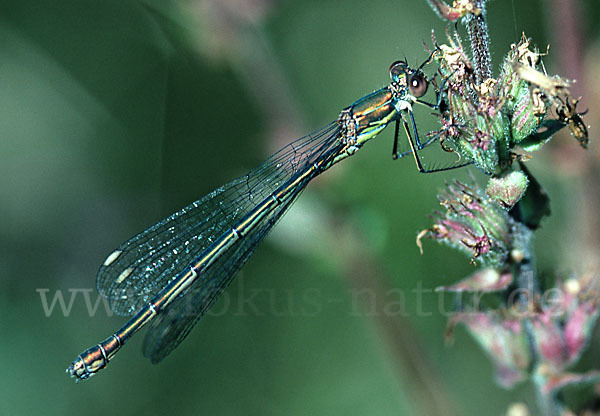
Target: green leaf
536,140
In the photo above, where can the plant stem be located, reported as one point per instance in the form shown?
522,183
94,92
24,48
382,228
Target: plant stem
478,34
524,269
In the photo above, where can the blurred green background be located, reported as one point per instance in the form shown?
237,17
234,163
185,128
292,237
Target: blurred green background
114,114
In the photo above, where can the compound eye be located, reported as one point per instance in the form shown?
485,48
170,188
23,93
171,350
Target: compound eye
417,85
397,70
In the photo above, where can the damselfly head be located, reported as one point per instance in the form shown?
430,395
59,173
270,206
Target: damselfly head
415,79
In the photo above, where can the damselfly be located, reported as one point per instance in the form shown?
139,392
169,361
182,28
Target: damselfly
171,273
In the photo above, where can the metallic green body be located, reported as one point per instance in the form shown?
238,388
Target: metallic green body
357,124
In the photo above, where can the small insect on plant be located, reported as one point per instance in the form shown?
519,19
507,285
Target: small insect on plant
170,274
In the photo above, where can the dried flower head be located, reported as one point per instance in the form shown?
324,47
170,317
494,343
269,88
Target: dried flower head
459,8
498,114
472,223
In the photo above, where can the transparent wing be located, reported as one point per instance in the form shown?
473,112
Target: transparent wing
171,326
139,268
174,323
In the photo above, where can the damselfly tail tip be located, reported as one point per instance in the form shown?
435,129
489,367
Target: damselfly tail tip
91,360
78,370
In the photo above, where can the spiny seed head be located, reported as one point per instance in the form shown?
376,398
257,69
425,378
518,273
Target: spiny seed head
472,223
